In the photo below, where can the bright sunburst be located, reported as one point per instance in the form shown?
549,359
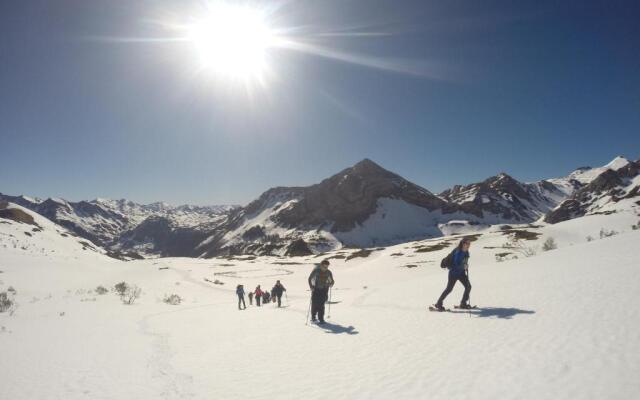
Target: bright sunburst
233,41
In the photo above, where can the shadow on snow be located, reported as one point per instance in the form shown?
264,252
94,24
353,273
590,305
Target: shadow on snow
497,312
335,328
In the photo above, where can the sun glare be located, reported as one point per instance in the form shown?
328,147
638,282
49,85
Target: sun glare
233,41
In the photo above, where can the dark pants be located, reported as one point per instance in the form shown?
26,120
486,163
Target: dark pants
241,300
258,301
464,279
279,299
318,298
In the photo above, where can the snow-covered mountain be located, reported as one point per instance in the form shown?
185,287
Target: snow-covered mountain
503,199
114,224
364,205
614,189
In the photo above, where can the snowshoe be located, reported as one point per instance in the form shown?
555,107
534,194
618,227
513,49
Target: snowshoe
465,307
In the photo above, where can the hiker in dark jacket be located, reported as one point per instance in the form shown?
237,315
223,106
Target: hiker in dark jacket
258,293
250,298
240,293
320,280
277,291
266,297
458,272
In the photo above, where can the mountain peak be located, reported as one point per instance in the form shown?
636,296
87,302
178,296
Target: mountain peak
502,178
617,163
367,169
366,164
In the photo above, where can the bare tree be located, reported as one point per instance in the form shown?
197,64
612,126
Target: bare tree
605,233
5,302
121,288
101,290
549,244
131,294
173,299
520,247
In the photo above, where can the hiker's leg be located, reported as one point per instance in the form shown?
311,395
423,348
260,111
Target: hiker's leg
467,288
450,284
324,294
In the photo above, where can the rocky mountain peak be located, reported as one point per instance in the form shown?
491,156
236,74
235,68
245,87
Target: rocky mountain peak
617,163
368,167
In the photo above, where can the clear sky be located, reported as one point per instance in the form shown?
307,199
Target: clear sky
107,99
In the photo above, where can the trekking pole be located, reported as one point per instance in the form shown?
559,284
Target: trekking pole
329,314
469,280
306,322
469,300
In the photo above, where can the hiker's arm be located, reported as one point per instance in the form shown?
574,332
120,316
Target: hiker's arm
311,277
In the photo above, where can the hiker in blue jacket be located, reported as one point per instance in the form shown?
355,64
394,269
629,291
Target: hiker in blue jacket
458,272
240,293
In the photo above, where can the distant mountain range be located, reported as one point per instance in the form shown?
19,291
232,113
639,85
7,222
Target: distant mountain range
122,225
361,206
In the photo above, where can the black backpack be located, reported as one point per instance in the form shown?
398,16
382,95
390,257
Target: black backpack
447,262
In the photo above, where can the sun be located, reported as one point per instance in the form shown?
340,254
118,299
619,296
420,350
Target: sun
233,41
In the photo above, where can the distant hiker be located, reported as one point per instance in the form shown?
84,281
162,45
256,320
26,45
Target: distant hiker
320,280
240,293
258,293
458,263
250,298
277,291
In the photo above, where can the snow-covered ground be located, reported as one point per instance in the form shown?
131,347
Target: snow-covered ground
559,325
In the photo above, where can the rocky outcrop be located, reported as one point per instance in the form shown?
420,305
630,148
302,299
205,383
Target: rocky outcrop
15,214
298,248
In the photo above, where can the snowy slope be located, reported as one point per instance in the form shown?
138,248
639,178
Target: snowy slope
555,325
39,236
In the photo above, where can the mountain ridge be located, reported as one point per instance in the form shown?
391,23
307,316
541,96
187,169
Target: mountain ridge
362,205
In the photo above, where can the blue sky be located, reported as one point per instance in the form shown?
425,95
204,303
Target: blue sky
466,89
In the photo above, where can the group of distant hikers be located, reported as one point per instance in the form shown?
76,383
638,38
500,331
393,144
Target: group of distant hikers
261,296
321,280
